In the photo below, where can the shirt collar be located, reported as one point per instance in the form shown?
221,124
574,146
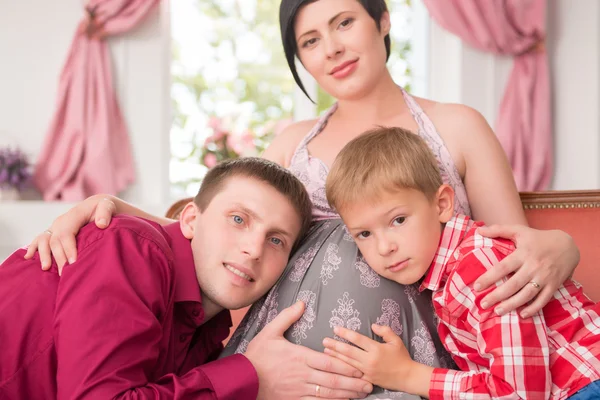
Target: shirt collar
186,282
452,236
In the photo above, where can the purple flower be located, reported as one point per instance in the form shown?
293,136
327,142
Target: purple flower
14,168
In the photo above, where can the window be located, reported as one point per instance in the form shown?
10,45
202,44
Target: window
232,90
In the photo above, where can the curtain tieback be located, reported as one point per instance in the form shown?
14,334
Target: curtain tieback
537,47
90,26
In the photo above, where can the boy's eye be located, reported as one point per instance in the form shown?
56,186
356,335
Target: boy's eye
399,220
238,220
363,235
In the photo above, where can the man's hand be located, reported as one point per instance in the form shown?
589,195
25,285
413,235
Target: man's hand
289,371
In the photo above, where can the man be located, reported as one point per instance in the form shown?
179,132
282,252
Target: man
144,309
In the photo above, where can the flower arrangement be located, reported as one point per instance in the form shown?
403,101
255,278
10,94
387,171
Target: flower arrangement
15,169
227,142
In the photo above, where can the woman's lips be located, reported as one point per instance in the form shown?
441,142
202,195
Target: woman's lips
344,69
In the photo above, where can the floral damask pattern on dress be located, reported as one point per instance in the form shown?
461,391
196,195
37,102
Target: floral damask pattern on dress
303,262
390,316
345,315
305,323
395,395
243,347
368,277
411,292
331,262
424,349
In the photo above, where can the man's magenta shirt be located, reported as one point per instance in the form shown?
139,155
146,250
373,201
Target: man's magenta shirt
124,321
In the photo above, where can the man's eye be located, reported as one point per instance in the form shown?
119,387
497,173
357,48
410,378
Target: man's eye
276,241
238,220
399,220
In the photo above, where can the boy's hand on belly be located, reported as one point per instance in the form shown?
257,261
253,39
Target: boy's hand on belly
289,371
384,364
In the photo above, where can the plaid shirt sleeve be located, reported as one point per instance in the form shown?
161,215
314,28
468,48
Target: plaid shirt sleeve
502,357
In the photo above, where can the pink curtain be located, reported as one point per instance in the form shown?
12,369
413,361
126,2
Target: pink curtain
87,148
514,28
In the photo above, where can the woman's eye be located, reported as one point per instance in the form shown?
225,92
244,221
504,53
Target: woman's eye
364,235
345,23
309,42
399,220
238,220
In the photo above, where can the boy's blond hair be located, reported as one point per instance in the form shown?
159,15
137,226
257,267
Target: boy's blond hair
378,161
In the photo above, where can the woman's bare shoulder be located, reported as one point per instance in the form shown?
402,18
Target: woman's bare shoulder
283,146
454,120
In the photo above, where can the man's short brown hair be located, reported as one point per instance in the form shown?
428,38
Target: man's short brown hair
264,171
382,160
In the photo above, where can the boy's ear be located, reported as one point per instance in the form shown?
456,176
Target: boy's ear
445,203
187,219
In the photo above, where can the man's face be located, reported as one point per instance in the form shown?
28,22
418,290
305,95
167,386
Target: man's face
241,242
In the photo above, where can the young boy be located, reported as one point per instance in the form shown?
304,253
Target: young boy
145,307
387,188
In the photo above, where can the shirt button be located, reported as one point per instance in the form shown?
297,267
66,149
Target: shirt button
196,313
182,337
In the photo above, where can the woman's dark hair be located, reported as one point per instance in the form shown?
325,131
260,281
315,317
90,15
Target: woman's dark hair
287,17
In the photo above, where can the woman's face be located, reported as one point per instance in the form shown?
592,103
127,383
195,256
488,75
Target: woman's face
340,46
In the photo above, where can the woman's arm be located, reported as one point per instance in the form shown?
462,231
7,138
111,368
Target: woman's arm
59,240
488,177
545,257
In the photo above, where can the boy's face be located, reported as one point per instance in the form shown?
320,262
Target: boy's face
399,233
241,242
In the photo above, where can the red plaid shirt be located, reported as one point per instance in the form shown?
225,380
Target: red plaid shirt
550,355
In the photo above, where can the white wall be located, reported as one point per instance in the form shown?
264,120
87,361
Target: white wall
461,74
34,39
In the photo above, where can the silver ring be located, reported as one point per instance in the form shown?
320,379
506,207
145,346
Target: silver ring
317,391
48,232
535,284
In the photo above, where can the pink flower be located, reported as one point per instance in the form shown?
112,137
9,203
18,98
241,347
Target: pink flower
210,160
241,143
219,132
216,136
248,139
214,123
